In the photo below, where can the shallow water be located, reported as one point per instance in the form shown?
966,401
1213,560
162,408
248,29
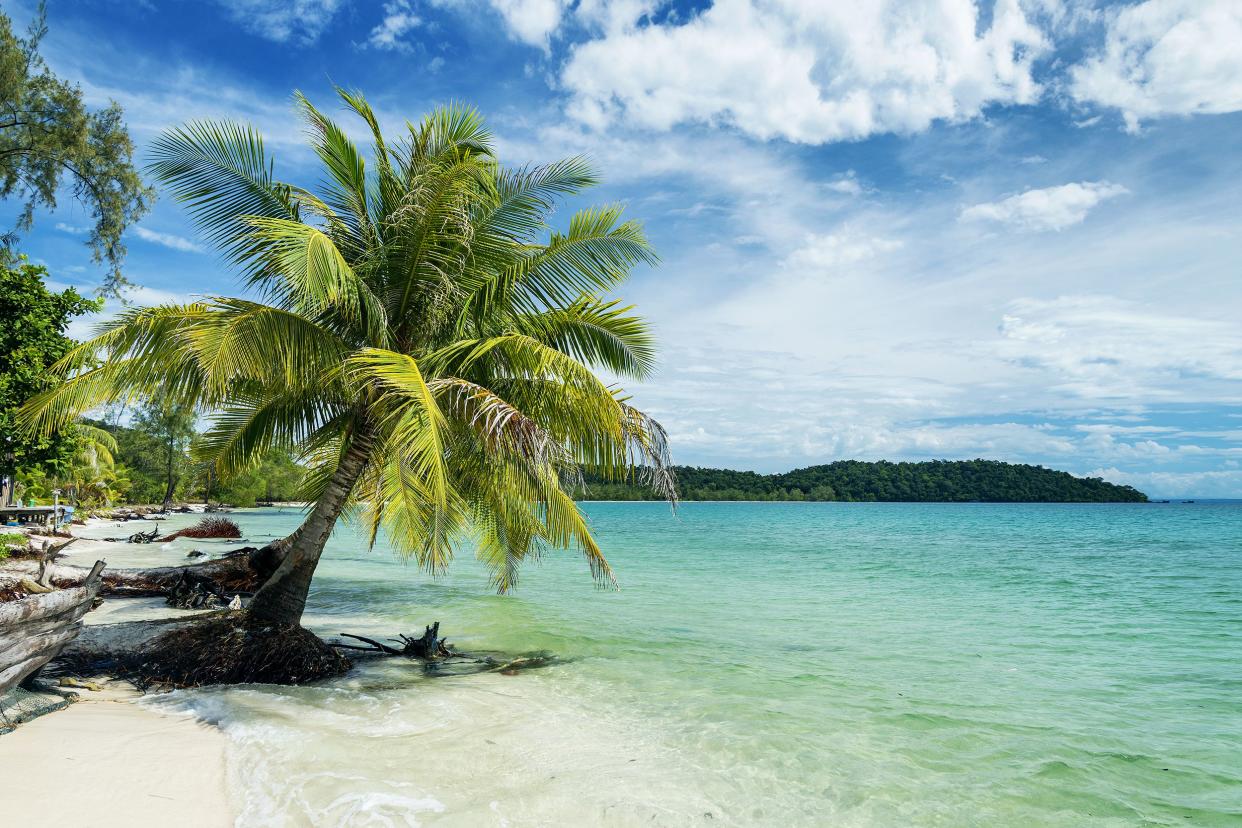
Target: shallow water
780,664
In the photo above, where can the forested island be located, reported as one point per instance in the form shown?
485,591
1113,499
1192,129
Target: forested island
853,480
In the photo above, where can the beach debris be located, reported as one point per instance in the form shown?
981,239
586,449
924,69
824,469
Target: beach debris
240,570
194,553
137,537
34,587
70,681
236,603
233,648
194,591
212,527
33,630
22,704
440,659
428,646
515,665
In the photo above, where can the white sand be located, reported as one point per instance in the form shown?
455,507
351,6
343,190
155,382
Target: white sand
106,761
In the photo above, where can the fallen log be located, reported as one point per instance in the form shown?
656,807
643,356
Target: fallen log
239,571
33,630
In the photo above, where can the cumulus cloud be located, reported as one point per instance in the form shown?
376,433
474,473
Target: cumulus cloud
1050,208
399,18
167,240
72,229
809,71
283,20
529,21
1166,57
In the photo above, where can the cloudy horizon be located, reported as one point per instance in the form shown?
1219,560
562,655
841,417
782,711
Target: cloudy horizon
899,230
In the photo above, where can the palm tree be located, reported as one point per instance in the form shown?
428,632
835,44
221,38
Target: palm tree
91,469
416,331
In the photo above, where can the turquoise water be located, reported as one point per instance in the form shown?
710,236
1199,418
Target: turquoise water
782,664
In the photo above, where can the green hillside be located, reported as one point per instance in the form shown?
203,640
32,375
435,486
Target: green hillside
853,480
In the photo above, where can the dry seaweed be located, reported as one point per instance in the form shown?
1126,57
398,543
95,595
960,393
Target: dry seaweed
212,527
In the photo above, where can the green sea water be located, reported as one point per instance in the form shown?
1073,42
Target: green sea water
780,664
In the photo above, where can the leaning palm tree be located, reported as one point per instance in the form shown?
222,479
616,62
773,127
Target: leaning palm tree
414,330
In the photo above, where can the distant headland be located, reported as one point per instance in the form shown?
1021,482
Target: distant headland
952,481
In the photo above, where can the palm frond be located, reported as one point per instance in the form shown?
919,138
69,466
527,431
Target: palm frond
602,334
220,171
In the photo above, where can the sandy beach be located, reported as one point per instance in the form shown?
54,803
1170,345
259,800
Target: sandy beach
112,762
107,756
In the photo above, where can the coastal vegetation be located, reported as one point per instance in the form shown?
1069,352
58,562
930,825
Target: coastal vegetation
32,339
853,480
422,340
51,143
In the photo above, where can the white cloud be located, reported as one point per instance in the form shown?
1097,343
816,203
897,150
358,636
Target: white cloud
1166,57
846,184
84,327
809,71
613,15
826,252
1102,347
1051,208
283,20
399,18
171,94
529,21
72,229
167,240
1211,483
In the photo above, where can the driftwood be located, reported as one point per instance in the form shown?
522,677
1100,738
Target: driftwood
242,570
33,630
440,659
47,556
429,646
195,591
137,537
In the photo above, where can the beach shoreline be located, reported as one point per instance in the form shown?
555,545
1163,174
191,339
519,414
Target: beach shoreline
115,762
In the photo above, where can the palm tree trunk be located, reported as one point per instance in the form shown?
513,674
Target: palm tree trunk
282,598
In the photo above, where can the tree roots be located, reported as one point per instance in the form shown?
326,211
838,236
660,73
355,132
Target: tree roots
232,648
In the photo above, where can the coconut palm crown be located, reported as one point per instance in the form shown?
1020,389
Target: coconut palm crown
415,331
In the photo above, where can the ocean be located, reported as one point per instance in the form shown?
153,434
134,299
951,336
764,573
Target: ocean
777,664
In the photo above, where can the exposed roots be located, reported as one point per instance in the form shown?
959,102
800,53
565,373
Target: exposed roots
233,648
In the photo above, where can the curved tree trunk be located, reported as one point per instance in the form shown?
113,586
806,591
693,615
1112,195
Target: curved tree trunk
282,598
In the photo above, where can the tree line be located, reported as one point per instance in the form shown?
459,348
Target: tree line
853,480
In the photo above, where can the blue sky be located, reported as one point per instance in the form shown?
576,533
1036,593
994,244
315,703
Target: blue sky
895,230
